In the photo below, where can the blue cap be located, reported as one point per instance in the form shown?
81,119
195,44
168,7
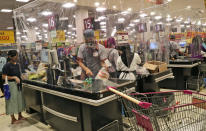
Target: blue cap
89,33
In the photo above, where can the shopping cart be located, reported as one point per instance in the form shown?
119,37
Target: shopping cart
167,111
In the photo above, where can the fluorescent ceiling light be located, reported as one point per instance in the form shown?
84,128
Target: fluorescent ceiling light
36,28
25,30
186,22
44,31
70,26
23,0
97,4
150,22
178,20
132,25
6,10
182,25
169,0
136,21
169,19
74,16
204,24
68,5
68,33
101,18
18,33
46,13
121,20
129,9
100,9
188,7
143,15
31,19
23,36
168,16
63,18
152,13
199,23
37,33
10,28
158,17
103,27
75,1
114,6
103,23
73,28
45,25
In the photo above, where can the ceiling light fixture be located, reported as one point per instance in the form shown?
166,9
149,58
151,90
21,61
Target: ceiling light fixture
75,1
31,19
101,18
114,6
68,5
129,9
143,15
23,0
152,13
132,25
36,28
169,0
6,10
159,23
97,4
103,23
100,9
136,21
63,18
158,17
169,19
188,7
70,26
10,28
121,20
45,25
46,13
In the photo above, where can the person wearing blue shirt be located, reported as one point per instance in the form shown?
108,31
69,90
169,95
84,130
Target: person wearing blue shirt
2,63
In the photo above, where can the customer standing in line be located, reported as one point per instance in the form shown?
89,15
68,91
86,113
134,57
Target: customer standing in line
112,56
16,103
2,63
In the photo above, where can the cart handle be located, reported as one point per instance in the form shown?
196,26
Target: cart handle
141,104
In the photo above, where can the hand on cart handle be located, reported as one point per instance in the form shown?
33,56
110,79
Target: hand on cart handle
141,104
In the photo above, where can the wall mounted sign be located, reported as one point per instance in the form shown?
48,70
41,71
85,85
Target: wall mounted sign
6,37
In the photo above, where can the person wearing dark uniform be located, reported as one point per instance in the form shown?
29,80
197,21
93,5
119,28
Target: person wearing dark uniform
16,103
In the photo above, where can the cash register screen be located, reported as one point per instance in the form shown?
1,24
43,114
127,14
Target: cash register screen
204,45
153,46
183,44
45,56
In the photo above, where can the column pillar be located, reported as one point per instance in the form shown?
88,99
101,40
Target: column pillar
81,14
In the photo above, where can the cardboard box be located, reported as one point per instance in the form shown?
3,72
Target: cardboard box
155,66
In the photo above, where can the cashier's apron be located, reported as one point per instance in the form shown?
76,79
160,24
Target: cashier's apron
91,59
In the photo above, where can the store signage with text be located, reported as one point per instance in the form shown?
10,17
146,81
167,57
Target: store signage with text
89,23
51,22
6,37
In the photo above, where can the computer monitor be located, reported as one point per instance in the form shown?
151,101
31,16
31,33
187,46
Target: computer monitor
153,46
182,43
204,45
45,55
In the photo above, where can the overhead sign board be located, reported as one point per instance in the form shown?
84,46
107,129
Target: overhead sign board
6,37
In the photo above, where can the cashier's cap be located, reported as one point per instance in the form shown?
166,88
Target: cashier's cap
88,34
12,53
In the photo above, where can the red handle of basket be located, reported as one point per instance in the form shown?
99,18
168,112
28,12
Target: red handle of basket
142,104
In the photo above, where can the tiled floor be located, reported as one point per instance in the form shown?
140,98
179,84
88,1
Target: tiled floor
31,124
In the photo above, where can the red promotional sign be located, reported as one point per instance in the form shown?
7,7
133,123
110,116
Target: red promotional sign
51,23
89,23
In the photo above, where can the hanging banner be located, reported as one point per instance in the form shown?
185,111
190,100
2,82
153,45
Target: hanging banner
6,37
60,36
122,37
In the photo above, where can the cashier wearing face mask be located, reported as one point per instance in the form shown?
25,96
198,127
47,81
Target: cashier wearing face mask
91,56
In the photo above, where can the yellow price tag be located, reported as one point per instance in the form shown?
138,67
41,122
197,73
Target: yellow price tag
6,37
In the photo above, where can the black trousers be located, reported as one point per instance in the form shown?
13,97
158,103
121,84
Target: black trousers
1,83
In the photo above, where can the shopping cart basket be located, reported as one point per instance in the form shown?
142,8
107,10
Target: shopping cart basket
168,111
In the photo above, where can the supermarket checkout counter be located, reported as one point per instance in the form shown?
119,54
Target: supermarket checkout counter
182,70
150,83
77,109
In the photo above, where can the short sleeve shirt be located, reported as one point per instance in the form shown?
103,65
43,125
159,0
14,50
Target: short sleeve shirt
92,57
10,69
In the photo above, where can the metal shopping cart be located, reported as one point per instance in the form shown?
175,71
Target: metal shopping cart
165,111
